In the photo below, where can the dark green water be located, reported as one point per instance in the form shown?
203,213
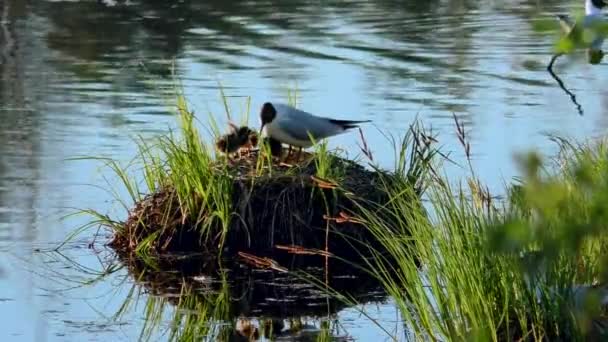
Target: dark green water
84,77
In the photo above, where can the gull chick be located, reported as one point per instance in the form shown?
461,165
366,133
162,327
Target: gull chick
296,127
236,139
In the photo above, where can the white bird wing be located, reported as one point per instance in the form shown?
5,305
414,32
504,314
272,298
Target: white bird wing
299,124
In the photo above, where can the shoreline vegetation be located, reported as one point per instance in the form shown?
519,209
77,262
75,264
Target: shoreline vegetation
458,263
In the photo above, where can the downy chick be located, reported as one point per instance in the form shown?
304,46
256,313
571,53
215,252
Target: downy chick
236,139
249,138
228,143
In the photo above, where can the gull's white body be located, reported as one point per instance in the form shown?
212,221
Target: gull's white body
293,126
591,10
592,16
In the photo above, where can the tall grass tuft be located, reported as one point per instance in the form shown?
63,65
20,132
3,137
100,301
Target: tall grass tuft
531,268
182,168
184,162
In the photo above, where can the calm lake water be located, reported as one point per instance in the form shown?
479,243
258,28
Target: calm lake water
84,77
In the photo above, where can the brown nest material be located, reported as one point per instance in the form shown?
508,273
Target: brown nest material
284,206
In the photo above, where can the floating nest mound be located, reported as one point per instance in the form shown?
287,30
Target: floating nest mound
285,208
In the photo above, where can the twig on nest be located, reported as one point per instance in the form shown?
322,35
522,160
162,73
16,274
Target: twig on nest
323,183
261,262
303,251
342,218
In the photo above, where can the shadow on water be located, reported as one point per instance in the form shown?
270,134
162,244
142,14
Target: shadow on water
187,297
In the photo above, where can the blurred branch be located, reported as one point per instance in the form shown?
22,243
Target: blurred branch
579,108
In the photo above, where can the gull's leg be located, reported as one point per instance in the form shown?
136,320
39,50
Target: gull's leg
286,159
288,154
298,155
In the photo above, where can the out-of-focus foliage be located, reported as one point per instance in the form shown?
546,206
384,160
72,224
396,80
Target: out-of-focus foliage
561,213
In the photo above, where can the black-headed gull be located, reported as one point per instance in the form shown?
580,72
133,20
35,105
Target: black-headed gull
593,16
296,127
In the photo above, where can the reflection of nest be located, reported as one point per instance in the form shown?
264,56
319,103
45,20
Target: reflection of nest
252,292
287,206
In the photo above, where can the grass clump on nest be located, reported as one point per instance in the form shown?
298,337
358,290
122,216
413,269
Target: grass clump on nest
285,205
198,200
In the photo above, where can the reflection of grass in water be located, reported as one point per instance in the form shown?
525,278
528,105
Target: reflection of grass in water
193,316
184,307
190,316
208,308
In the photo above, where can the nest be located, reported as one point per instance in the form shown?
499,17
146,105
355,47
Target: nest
287,208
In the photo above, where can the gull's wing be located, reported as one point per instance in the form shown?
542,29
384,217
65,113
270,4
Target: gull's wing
318,127
299,123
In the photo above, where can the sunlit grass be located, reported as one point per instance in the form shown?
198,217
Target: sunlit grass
464,267
182,161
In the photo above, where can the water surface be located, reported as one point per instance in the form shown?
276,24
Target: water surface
84,77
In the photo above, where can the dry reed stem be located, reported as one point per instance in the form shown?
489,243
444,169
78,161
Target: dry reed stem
365,148
303,251
323,183
343,218
261,262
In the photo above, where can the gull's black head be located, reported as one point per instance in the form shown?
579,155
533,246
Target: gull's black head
598,3
267,114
